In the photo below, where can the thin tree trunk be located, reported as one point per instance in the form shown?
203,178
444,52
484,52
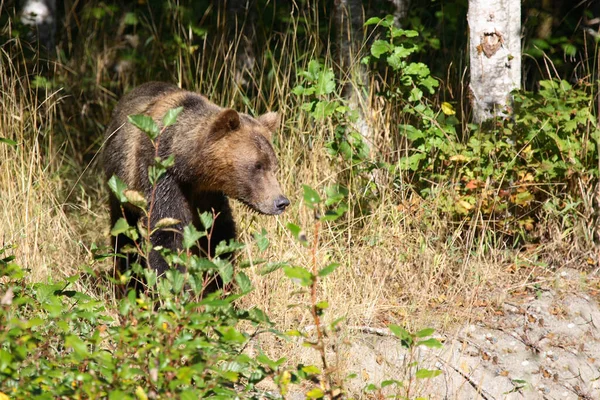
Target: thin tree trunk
495,48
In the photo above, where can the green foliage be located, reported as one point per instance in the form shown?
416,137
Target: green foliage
508,168
411,77
512,171
410,341
58,341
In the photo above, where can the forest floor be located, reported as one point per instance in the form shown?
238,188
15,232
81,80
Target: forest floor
537,344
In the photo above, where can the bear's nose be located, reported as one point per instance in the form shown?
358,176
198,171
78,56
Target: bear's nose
281,203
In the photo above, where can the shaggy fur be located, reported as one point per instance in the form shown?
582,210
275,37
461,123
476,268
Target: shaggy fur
219,153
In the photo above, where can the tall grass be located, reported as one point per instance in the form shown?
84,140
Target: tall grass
401,260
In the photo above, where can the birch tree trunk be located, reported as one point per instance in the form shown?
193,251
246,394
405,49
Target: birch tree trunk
41,14
495,49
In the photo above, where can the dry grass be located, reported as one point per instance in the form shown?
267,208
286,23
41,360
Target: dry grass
399,262
33,221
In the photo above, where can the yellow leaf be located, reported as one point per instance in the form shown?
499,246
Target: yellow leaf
447,108
140,393
3,396
465,204
135,198
459,157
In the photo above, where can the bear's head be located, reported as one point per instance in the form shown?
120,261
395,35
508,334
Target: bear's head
244,162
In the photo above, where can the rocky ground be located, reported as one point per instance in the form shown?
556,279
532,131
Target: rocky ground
540,343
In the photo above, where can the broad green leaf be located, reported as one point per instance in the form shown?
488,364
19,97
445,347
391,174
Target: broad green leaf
146,124
425,332
225,269
299,274
427,373
227,247
372,21
121,226
311,369
118,187
431,343
311,197
171,116
380,47
262,240
243,282
328,269
207,220
191,236
271,267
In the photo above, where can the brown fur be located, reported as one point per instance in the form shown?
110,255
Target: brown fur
219,153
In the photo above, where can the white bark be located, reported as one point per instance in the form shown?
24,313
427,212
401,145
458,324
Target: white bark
495,48
42,15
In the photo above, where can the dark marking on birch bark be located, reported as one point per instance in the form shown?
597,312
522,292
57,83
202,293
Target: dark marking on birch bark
490,43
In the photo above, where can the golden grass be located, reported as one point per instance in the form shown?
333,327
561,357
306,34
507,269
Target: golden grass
33,221
399,263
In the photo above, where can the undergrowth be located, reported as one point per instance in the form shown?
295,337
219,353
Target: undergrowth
421,214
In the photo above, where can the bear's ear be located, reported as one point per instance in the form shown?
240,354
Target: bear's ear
226,121
270,120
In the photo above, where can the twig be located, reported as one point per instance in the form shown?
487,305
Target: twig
482,392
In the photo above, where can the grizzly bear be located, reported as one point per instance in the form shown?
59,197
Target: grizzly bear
218,153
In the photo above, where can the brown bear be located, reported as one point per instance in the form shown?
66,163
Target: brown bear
219,153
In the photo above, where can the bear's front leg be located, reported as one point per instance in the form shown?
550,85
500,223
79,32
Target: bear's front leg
167,201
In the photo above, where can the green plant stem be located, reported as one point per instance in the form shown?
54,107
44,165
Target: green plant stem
325,383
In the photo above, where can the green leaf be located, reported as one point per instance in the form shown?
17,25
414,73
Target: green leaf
5,360
121,226
299,274
427,373
404,336
118,187
225,269
322,305
311,369
207,220
391,382
262,241
380,47
227,247
372,21
272,267
8,141
191,236
146,124
325,83
230,334
311,197
294,229
431,343
328,269
314,67
425,332
130,19
243,282
171,116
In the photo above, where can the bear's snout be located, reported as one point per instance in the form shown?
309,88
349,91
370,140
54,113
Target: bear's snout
281,203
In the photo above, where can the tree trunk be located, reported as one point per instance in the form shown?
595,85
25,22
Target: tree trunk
495,48
42,15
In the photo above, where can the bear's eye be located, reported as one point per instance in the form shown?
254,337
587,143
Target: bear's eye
258,166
